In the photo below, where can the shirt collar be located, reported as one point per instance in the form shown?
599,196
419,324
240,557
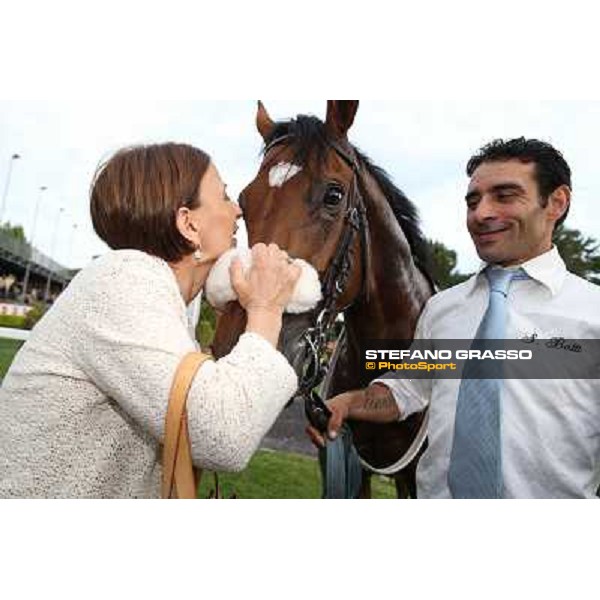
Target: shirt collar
548,269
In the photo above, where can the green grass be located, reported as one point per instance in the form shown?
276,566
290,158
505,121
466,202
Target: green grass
8,349
15,321
281,475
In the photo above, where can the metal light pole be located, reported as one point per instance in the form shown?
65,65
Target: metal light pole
28,267
7,185
52,248
71,243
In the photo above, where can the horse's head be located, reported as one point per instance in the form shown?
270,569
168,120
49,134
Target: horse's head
305,198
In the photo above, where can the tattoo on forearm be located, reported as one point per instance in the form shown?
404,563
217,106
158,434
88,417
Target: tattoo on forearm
379,398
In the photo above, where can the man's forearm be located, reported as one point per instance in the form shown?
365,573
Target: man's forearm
375,404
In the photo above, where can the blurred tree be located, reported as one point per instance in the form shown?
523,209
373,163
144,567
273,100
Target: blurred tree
443,261
35,314
580,253
207,323
15,231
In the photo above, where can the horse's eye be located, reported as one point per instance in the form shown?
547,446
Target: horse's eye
333,195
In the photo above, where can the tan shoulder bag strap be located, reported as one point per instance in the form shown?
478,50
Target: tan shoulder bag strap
178,478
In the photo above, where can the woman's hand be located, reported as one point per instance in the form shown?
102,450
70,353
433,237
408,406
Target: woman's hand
266,289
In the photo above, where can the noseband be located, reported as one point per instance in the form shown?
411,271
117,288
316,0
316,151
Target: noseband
333,287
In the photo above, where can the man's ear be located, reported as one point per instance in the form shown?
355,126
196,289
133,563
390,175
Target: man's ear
559,201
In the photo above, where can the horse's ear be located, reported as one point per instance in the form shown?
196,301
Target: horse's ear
340,116
264,123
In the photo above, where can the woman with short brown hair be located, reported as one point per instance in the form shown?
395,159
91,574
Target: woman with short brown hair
82,408
134,194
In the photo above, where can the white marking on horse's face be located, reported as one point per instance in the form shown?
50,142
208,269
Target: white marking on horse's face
282,172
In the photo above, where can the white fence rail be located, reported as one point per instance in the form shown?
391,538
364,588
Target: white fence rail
14,334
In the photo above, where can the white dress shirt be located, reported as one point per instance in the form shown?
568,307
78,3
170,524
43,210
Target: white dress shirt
550,428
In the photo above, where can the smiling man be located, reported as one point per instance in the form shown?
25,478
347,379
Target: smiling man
489,437
519,191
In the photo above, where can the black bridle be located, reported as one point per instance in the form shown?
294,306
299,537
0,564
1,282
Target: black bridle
334,284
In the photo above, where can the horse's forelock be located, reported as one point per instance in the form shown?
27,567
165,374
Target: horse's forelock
305,135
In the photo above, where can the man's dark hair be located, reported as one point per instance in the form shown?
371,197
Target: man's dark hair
551,169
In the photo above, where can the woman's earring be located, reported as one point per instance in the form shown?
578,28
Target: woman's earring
198,256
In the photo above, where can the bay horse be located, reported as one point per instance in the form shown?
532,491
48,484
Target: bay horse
319,198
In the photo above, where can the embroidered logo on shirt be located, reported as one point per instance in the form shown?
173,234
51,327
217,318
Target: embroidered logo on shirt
554,343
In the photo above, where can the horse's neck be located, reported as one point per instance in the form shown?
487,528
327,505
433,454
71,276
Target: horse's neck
397,289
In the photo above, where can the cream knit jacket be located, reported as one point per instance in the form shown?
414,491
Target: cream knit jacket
82,407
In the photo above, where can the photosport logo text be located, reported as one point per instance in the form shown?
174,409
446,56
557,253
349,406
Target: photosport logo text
481,358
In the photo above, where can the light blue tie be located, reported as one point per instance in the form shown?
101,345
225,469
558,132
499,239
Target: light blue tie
476,459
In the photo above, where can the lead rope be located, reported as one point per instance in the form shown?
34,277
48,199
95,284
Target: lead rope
341,471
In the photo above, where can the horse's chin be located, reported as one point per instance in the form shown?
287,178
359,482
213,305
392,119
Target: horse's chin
232,323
